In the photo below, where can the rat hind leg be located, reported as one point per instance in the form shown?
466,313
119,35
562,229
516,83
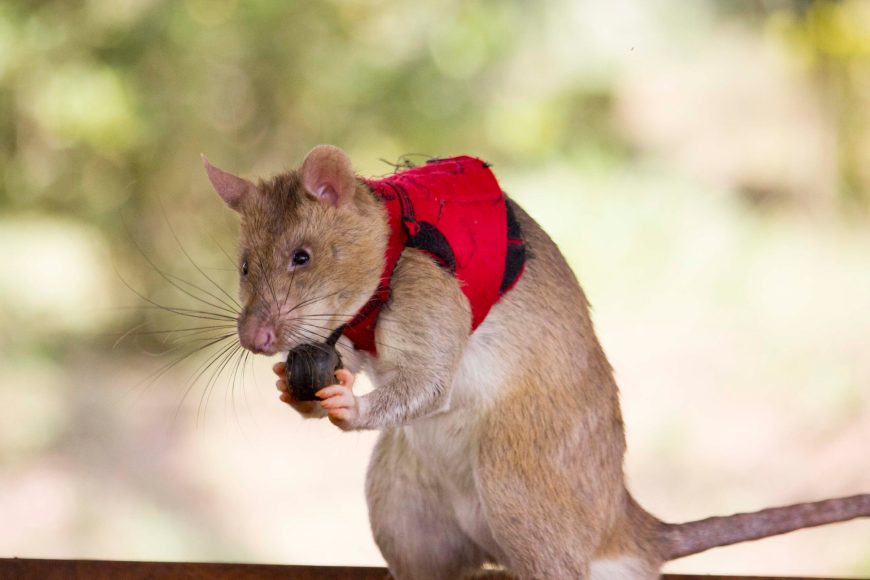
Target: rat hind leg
412,521
549,475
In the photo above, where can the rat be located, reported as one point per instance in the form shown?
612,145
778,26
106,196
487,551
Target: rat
501,439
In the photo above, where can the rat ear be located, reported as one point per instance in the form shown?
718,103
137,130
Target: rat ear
231,188
328,175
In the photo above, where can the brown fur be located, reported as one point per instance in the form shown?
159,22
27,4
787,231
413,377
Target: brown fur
344,271
505,446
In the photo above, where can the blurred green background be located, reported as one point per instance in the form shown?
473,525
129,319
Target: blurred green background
704,165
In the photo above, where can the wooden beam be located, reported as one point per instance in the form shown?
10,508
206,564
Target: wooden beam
31,569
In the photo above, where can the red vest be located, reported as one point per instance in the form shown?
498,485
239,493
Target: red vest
454,210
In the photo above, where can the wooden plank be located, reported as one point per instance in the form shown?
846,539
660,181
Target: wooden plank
27,569
32,569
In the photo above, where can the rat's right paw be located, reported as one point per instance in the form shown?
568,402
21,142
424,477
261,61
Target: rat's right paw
308,409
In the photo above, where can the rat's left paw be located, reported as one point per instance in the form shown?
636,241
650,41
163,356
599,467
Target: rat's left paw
339,401
308,409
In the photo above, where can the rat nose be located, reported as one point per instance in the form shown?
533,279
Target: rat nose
259,339
264,339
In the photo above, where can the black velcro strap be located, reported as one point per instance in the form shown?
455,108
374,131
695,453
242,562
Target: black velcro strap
516,250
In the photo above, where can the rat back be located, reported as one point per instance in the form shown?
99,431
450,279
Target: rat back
531,426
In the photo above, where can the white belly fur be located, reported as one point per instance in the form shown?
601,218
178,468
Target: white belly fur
621,569
446,441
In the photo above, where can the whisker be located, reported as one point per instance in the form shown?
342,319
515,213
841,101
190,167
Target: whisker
169,277
128,333
325,315
313,336
232,363
193,338
267,278
233,262
212,381
310,333
311,325
215,342
226,306
316,299
198,373
287,294
134,331
193,313
161,307
239,356
198,269
190,312
378,343
253,368
149,380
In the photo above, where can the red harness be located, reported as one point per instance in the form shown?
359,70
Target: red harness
454,210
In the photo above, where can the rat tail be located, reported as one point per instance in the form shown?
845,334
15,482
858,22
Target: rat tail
693,537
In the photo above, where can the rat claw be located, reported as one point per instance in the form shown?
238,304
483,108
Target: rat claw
345,378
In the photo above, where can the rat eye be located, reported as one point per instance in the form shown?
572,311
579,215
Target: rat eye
300,258
245,267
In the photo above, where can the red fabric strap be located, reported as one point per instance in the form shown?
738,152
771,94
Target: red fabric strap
453,209
361,329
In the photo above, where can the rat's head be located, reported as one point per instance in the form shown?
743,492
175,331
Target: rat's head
311,249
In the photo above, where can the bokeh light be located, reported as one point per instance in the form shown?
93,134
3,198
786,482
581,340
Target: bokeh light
703,165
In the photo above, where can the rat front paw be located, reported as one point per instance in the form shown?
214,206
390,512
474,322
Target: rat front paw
308,409
339,402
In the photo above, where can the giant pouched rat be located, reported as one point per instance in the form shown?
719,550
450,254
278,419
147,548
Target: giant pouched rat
504,445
